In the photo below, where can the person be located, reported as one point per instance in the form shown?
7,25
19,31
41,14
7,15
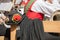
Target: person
31,27
2,27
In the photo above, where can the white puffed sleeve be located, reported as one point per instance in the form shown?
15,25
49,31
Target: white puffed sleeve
18,1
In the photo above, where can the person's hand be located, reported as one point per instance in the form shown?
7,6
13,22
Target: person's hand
1,21
4,18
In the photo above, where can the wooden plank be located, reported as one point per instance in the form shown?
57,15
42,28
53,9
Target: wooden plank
1,37
51,26
13,32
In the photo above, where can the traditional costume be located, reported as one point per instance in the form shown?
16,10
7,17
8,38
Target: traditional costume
3,29
31,27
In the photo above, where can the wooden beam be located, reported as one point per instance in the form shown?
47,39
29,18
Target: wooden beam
51,26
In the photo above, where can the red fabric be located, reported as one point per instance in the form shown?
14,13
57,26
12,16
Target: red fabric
16,17
33,15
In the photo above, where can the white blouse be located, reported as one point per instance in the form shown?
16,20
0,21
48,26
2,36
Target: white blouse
18,1
45,7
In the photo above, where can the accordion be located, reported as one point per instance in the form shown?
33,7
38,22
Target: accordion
14,17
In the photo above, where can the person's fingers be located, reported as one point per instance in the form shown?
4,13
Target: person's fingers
7,19
3,16
1,21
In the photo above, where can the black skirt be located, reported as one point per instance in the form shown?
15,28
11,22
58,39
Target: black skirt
2,30
33,30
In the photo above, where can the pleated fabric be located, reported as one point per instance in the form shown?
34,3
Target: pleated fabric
2,30
33,30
